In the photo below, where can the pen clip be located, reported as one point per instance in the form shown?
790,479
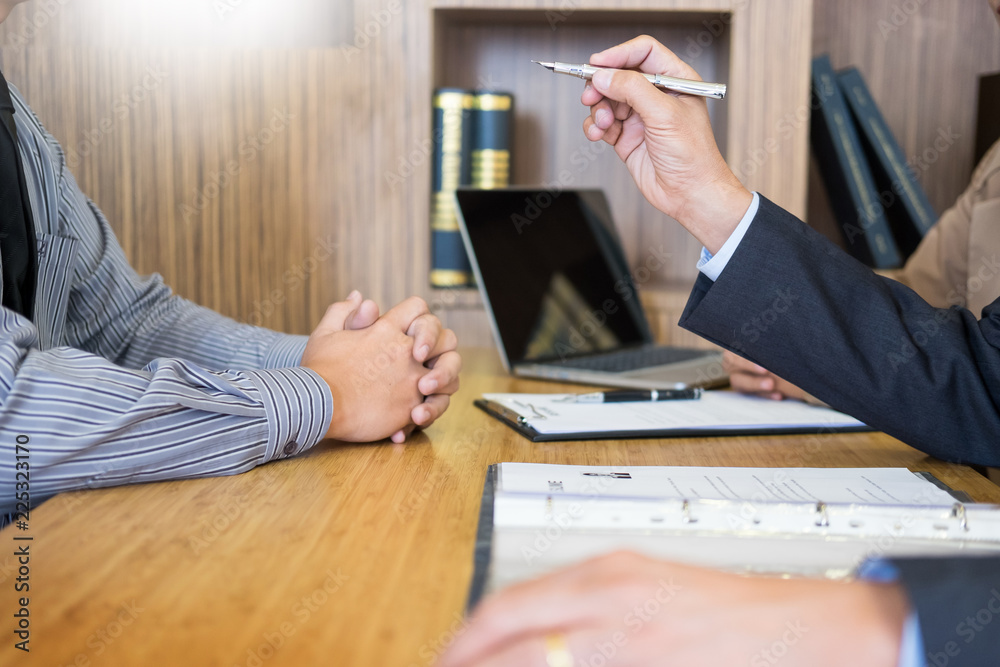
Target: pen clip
508,414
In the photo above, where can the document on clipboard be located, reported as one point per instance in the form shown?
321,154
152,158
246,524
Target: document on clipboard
549,417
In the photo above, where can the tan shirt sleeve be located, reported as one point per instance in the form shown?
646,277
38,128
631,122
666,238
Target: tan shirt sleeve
939,268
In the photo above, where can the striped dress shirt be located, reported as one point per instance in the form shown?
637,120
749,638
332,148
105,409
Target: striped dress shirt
115,380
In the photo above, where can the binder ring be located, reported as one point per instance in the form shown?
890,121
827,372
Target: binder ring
686,510
958,512
823,520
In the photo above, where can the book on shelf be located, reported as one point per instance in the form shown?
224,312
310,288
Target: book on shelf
988,115
472,139
907,208
846,175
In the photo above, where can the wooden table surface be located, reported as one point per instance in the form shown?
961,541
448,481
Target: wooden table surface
348,555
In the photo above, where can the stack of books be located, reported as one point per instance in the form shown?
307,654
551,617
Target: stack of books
472,139
880,207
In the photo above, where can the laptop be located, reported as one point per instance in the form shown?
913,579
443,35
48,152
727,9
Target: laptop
561,299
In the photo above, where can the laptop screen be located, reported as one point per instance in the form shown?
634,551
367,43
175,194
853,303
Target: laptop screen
552,272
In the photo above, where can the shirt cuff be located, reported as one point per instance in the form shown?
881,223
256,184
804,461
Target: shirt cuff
911,648
286,351
299,408
713,266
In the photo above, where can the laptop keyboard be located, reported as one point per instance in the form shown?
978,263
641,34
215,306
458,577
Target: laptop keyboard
627,360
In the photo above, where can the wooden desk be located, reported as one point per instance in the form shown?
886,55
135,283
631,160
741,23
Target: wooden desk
349,555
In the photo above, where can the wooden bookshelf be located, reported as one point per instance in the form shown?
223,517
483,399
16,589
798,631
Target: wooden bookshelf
761,50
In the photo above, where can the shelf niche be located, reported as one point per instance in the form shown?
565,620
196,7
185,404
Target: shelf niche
761,50
492,48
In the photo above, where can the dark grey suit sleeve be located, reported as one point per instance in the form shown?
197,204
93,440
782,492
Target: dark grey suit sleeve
958,603
796,304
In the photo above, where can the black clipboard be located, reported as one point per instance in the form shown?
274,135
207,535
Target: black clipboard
523,426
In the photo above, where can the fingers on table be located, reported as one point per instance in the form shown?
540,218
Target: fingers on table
444,375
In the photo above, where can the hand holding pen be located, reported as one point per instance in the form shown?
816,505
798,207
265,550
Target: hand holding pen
716,91
665,141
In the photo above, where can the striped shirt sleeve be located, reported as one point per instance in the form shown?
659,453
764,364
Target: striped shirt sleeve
91,423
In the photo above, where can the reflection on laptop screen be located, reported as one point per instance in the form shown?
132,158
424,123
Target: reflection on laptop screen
554,272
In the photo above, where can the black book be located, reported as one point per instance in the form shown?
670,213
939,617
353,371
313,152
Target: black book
846,174
907,208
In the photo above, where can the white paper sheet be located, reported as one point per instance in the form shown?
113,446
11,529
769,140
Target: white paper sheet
716,410
869,486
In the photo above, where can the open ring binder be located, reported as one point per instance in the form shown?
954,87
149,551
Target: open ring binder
535,518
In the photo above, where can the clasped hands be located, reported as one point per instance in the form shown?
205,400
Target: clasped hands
388,375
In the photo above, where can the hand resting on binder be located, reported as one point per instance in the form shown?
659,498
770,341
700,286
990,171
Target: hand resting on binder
626,609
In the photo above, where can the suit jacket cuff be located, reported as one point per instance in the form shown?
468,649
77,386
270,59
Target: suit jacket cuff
958,603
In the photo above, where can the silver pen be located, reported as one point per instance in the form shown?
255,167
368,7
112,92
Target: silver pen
634,396
687,86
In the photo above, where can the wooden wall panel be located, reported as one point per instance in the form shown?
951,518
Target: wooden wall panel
249,175
921,61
